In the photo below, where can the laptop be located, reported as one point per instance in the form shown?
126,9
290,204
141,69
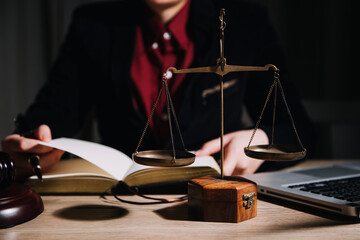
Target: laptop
334,188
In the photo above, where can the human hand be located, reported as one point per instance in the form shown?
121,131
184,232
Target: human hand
235,160
19,148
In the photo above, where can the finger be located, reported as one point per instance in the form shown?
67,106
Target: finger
22,159
253,165
212,146
232,156
48,160
209,148
24,168
43,133
17,143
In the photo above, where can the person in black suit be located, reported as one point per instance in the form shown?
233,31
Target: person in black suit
113,58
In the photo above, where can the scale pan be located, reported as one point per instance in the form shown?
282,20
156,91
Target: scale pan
276,152
164,158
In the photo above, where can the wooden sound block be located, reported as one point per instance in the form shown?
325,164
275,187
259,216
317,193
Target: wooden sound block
213,199
18,204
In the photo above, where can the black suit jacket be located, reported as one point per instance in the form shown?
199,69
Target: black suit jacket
93,69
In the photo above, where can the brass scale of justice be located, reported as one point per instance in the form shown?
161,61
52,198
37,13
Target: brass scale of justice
176,158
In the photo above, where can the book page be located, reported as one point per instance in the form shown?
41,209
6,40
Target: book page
109,159
74,167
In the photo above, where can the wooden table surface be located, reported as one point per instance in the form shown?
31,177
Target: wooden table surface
89,217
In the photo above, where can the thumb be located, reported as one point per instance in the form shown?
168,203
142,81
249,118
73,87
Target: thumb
213,146
43,133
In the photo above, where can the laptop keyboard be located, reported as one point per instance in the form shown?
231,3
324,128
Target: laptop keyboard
344,189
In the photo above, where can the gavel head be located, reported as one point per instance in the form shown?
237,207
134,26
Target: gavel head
18,203
7,170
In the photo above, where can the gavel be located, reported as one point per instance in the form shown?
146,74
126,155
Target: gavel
7,170
18,203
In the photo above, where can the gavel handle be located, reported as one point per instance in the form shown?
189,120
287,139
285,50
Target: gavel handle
7,170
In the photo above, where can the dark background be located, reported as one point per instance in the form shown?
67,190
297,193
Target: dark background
320,40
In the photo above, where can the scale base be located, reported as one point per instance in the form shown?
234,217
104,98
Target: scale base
18,204
212,199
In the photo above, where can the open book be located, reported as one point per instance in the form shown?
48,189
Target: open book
100,167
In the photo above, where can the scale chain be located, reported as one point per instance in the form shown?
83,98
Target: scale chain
262,112
276,76
275,85
149,118
174,114
167,94
170,110
274,110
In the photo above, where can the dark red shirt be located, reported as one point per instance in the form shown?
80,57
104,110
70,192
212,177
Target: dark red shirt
159,46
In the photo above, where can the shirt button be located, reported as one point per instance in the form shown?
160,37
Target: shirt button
155,45
167,36
164,117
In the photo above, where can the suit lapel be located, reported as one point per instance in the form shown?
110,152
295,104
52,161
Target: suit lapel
122,49
122,54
